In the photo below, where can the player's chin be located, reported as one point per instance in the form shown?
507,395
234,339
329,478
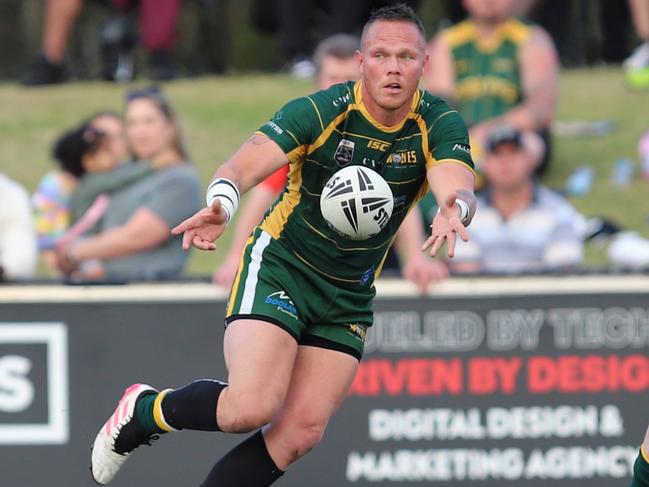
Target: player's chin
392,102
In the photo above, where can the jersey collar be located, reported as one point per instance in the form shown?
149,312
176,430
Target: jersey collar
359,105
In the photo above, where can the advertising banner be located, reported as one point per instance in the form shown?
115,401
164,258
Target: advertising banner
479,387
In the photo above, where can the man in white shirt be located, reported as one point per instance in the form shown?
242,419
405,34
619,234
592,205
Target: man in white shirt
520,225
18,252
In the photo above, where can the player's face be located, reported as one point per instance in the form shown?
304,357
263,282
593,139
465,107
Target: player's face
113,127
334,70
490,10
149,132
391,60
507,168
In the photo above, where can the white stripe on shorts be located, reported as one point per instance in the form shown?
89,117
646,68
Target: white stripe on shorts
253,269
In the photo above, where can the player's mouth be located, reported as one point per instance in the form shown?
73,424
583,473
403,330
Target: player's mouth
392,88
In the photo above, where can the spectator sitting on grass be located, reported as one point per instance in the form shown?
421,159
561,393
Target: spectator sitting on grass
134,242
85,152
87,156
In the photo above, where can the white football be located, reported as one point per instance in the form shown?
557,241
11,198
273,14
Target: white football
356,202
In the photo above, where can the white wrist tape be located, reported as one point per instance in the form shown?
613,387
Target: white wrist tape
464,210
226,192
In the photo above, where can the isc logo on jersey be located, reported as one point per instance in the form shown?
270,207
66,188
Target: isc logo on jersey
357,202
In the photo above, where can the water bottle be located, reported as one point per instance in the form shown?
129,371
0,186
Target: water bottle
580,181
622,174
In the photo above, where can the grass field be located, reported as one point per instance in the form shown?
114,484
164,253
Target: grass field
219,113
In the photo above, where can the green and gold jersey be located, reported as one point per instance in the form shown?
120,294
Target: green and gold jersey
331,129
487,71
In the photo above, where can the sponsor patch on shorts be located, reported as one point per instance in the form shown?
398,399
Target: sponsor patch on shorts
282,302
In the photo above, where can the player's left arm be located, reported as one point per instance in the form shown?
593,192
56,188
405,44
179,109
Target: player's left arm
450,175
452,184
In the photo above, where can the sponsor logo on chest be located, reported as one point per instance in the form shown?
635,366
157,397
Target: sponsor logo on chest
402,158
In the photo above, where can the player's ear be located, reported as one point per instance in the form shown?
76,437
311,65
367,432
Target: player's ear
358,55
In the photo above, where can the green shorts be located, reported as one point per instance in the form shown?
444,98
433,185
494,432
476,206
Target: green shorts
274,285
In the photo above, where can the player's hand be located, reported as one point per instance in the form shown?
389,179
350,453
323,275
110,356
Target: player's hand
224,275
422,271
202,229
446,225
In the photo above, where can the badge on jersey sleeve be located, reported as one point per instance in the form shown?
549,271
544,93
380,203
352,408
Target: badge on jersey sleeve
344,152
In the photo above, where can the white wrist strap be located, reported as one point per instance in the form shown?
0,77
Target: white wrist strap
226,192
464,210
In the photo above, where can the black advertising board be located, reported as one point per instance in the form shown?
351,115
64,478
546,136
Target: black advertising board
533,384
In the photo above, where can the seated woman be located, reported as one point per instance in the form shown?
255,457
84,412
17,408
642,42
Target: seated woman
86,152
134,241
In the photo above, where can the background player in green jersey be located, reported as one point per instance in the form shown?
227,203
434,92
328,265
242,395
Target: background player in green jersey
288,372
497,69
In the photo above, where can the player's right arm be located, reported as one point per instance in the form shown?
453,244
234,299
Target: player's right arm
284,138
255,160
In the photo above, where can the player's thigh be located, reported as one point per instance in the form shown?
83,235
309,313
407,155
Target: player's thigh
259,357
320,381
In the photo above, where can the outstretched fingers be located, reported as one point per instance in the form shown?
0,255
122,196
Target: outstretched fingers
188,237
203,244
429,241
435,243
464,235
191,222
439,242
213,214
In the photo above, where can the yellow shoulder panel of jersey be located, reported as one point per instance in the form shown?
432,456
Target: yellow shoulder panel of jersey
460,33
517,31
464,32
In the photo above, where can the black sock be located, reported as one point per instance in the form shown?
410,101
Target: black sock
193,407
247,465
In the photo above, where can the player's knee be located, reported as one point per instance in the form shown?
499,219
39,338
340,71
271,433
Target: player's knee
249,415
306,437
